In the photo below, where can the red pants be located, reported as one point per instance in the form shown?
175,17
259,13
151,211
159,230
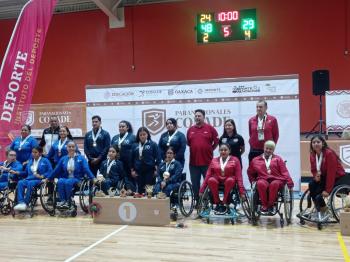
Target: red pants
213,184
268,191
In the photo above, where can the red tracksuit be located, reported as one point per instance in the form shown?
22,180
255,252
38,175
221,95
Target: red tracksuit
267,183
270,131
214,177
331,168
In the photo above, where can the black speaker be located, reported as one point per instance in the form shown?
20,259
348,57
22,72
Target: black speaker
320,82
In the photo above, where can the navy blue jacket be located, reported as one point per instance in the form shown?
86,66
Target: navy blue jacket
175,171
116,172
178,142
126,148
150,156
100,151
81,168
16,166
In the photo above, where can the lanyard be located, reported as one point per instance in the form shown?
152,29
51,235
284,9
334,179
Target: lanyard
70,165
35,165
223,164
319,162
109,165
268,162
167,165
60,145
120,141
261,122
94,138
141,148
21,143
171,137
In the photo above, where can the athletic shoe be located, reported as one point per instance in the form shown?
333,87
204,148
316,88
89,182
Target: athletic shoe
20,207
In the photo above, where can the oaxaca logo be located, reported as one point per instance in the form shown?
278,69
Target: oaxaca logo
154,120
27,117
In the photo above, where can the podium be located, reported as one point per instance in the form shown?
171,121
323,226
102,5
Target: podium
132,211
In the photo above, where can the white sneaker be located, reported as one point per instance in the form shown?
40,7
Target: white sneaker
20,207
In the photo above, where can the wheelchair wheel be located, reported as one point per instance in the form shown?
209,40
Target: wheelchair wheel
204,203
245,203
254,204
185,198
85,195
339,199
47,198
288,204
6,206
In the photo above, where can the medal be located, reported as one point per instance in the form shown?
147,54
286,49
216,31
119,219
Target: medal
141,150
94,144
319,163
94,138
21,143
120,141
267,164
59,153
167,144
261,127
223,165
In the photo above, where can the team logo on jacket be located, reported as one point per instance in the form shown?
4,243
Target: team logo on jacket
345,154
27,117
154,120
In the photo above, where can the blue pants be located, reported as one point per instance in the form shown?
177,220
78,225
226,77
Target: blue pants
167,190
65,187
22,185
3,185
107,184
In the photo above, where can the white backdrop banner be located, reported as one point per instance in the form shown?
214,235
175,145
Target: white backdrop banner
337,110
150,104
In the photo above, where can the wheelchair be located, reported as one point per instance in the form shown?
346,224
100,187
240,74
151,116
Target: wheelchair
6,202
83,190
284,197
114,191
236,206
338,200
35,195
182,198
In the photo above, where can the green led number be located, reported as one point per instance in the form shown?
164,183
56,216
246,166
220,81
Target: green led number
248,24
207,28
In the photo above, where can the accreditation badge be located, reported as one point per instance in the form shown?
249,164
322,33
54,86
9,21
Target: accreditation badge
261,135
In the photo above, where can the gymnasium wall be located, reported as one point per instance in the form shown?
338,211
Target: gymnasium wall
294,37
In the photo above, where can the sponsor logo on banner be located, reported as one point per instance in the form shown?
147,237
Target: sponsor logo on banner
345,154
28,117
245,89
210,91
170,92
343,109
142,93
124,94
154,120
272,89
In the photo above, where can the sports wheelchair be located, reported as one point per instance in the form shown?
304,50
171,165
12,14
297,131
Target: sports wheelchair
205,206
338,200
284,197
182,198
6,202
83,190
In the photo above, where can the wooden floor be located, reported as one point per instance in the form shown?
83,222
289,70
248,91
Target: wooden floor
44,238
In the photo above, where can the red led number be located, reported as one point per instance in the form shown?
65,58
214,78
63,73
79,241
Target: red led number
226,30
227,16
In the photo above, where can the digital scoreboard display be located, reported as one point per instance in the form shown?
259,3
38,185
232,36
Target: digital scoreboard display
226,26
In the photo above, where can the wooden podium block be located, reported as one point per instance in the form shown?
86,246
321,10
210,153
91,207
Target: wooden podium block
133,211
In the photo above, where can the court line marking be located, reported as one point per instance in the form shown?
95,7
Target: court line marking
95,244
343,247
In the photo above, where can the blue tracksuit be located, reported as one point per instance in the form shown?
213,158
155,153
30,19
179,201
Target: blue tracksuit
54,154
26,150
125,157
100,151
145,166
174,180
178,142
115,174
44,169
66,182
4,177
